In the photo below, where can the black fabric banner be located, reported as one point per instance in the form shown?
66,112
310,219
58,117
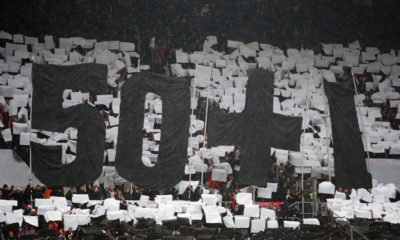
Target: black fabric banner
172,155
49,83
256,129
350,165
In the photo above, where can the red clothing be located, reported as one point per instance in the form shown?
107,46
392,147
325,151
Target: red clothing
10,124
232,198
212,184
2,115
54,225
161,52
47,194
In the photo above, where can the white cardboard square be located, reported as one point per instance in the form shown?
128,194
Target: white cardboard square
80,198
272,224
244,198
267,213
311,221
252,211
54,216
257,225
326,188
242,221
32,220
291,224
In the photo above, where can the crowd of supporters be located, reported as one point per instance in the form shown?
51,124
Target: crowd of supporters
287,194
185,24
282,23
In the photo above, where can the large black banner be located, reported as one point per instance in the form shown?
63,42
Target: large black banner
49,83
256,129
350,166
172,155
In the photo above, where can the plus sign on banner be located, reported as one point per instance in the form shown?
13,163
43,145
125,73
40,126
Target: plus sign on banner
256,129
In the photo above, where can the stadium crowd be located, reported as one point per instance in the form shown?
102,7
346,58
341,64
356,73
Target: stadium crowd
147,229
157,44
288,191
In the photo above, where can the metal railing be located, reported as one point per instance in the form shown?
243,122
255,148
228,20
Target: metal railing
352,229
299,204
295,218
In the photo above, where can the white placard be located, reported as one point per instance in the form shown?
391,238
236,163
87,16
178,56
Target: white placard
24,139
273,186
264,193
252,211
291,224
43,202
203,76
6,133
272,224
80,198
32,220
59,202
242,221
340,195
311,221
218,175
267,213
54,216
228,222
212,214
326,188
209,199
244,198
70,221
257,225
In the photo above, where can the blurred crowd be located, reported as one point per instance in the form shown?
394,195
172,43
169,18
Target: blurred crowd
159,28
168,24
284,211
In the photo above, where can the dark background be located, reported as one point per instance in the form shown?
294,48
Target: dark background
285,23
